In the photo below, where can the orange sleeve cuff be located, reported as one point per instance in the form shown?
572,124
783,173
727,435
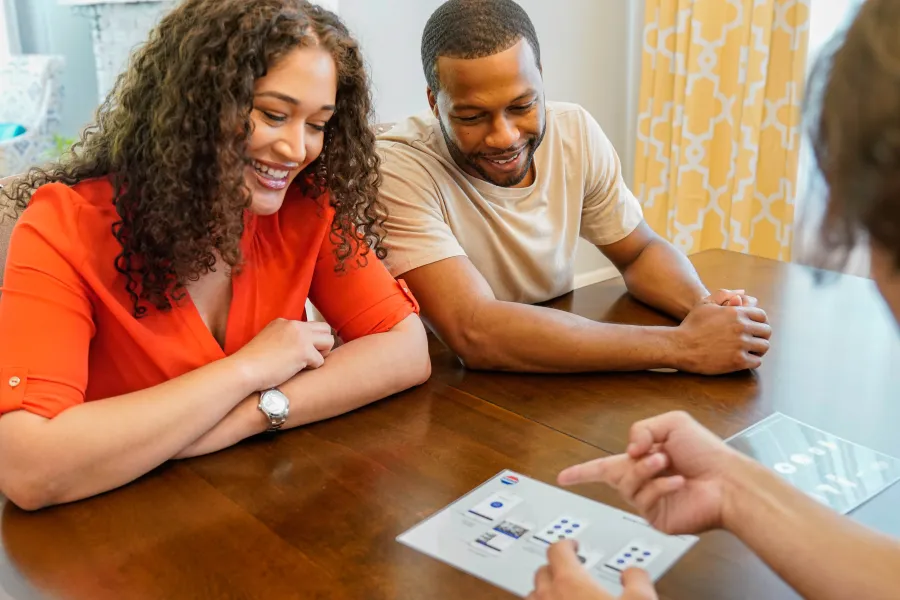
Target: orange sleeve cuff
383,316
409,295
13,382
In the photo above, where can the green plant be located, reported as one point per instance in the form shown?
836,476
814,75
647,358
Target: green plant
61,145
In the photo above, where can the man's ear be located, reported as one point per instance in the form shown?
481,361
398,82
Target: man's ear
432,102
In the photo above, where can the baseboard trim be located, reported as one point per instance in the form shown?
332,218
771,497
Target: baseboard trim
595,276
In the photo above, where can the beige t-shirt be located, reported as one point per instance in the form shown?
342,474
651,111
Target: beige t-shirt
522,240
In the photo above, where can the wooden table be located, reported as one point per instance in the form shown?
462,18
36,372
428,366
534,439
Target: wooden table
314,512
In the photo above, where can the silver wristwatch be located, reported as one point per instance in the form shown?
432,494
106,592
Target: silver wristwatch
275,406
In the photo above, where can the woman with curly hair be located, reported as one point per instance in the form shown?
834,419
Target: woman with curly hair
154,298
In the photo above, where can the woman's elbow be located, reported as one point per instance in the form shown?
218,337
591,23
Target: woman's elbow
418,362
27,478
422,372
26,493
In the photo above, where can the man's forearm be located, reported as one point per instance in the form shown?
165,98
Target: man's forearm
508,336
665,279
820,553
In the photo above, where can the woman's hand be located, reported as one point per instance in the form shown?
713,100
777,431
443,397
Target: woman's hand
283,349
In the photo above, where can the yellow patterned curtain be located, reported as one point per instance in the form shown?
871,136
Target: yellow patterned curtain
719,123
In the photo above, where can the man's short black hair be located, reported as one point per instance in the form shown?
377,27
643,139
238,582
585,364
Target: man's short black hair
474,29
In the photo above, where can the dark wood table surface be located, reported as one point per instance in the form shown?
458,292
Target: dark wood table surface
314,512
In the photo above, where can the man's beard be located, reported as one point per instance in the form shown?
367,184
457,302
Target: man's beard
471,160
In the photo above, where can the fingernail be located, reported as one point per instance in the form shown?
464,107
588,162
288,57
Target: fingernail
632,448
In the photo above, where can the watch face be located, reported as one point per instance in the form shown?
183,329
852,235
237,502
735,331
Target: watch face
274,403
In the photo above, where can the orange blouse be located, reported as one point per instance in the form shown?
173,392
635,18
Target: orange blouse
67,333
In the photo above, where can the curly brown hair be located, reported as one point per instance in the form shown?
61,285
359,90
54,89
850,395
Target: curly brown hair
172,137
853,118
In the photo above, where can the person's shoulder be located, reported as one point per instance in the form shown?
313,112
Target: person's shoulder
565,109
570,117
70,201
74,219
411,143
574,122
410,152
414,131
97,192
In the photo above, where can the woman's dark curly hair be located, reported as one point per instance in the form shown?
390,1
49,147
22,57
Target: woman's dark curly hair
173,133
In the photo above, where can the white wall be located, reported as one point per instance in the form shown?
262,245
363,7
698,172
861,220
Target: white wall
47,28
590,53
9,37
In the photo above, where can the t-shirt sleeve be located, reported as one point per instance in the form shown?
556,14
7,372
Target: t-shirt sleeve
417,231
360,297
610,211
46,316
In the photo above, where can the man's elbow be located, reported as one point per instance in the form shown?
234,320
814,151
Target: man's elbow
479,361
476,352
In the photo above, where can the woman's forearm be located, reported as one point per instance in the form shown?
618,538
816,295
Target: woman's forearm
100,445
355,374
360,372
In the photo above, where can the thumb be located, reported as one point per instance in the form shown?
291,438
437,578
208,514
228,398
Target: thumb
637,585
562,557
735,301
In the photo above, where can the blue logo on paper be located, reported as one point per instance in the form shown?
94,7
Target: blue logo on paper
496,504
509,480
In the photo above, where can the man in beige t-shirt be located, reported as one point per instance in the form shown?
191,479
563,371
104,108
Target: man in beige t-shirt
521,239
487,195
